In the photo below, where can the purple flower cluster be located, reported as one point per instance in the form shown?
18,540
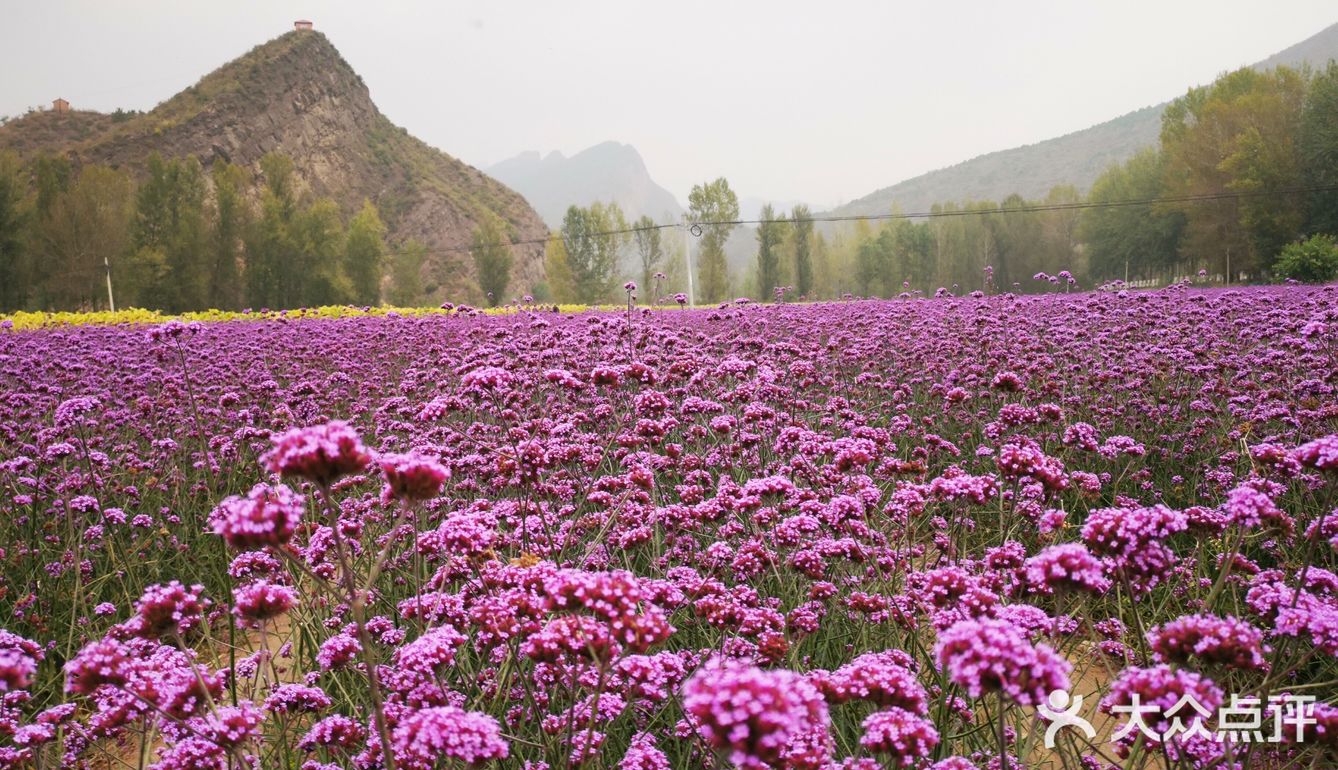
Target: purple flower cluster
411,477
1069,566
426,736
1133,541
906,737
262,600
996,656
1321,454
267,516
1161,689
320,454
756,717
1224,641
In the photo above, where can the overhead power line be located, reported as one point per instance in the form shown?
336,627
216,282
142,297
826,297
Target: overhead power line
697,228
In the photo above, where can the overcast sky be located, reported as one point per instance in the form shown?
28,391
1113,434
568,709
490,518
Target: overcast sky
817,101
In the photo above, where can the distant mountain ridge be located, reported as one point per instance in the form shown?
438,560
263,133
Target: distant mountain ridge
607,172
296,95
1077,158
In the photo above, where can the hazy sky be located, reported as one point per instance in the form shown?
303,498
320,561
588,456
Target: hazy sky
819,101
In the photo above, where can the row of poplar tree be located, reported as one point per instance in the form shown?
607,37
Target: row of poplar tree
183,238
178,241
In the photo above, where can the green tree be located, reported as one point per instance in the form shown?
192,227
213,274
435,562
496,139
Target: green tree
1016,236
15,218
591,242
802,235
912,257
870,265
770,235
821,287
406,275
227,235
650,251
1319,150
271,253
1060,242
318,278
51,176
170,226
87,228
1131,241
1239,134
713,207
492,260
1314,260
557,272
363,252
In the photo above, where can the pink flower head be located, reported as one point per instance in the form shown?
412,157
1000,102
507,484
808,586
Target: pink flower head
105,661
262,600
267,516
883,678
431,652
1321,454
1024,457
231,725
297,699
338,651
333,731
168,610
905,736
428,735
996,655
411,476
754,715
1249,509
643,754
18,661
1069,566
1132,541
318,453
487,378
1163,687
1226,641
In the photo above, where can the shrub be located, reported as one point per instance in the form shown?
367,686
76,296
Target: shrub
1314,260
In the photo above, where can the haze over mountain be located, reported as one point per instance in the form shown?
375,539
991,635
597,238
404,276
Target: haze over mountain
607,172
1077,158
296,95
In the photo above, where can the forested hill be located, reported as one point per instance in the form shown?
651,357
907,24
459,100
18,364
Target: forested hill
296,96
1074,159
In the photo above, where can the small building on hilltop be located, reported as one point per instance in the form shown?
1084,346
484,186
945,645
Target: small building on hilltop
301,25
60,105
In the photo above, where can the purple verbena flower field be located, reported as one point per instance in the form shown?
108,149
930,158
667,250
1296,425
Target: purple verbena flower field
842,536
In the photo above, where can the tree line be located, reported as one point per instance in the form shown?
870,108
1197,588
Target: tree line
1230,160
183,238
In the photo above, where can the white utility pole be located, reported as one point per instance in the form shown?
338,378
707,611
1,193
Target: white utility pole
110,300
687,254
